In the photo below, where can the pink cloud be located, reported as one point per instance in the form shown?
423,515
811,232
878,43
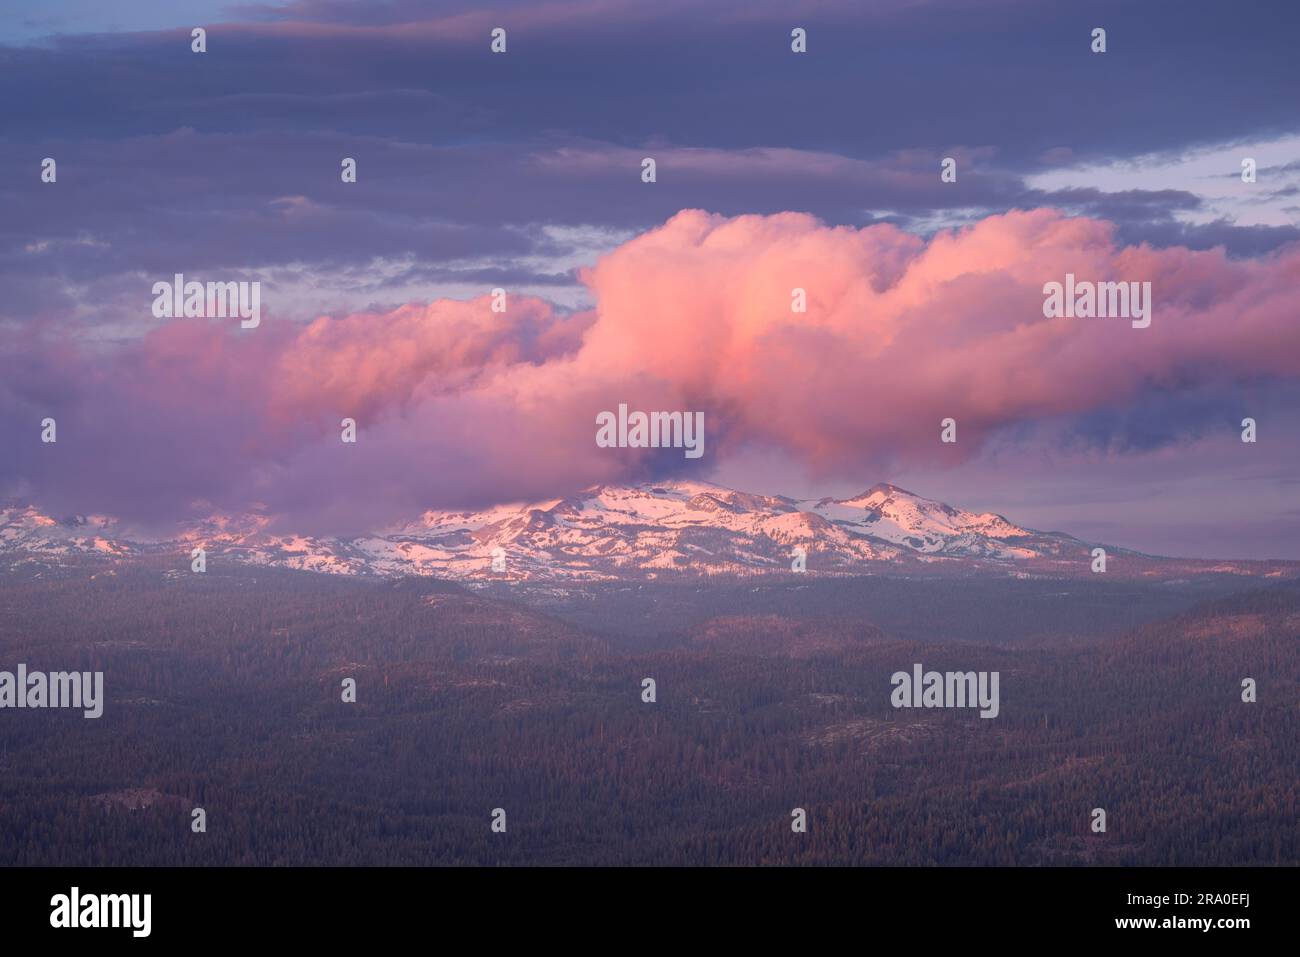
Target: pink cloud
458,404
367,361
900,333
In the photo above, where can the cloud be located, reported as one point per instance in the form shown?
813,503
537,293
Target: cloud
901,333
927,74
460,405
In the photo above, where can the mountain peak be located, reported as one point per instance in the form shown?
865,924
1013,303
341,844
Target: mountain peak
886,490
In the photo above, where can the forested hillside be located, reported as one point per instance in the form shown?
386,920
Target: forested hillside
223,692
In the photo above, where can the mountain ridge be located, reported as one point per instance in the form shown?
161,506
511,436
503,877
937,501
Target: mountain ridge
612,532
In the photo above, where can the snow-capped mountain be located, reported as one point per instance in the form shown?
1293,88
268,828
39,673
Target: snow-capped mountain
606,532
928,527
24,529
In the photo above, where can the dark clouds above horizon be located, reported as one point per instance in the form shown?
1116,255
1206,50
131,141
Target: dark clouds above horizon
519,170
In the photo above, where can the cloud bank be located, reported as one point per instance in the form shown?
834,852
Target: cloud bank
457,404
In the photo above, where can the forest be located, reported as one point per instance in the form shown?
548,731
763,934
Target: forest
223,692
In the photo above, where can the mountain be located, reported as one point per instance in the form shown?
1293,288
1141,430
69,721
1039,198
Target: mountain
26,530
647,531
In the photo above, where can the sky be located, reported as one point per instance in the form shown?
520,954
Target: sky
775,170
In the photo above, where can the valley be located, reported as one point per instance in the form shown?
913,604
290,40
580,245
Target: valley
222,692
